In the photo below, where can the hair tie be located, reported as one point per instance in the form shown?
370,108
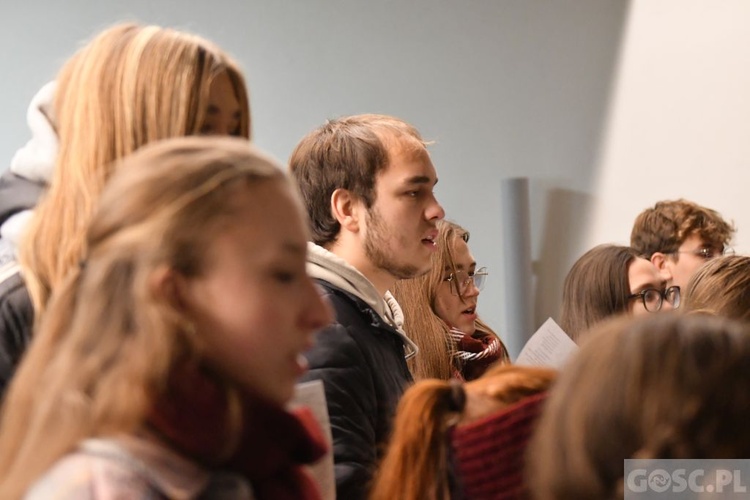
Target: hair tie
457,396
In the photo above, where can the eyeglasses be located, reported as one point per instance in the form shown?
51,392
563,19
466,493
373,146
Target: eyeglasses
653,299
460,280
708,253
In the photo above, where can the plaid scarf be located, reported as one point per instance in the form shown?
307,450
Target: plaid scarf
475,353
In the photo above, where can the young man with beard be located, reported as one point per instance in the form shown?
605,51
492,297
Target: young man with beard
367,182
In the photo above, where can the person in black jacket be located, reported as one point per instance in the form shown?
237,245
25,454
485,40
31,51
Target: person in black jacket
367,182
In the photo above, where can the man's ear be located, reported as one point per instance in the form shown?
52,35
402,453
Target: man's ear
661,261
346,209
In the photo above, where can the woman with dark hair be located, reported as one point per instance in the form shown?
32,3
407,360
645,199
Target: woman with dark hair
609,280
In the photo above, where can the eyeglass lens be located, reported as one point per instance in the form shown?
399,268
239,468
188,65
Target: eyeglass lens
461,280
653,299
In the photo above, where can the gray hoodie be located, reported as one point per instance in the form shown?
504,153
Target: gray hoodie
327,266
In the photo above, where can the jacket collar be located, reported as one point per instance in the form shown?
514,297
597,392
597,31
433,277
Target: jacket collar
329,267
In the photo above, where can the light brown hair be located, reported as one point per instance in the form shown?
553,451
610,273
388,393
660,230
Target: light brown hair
110,338
666,225
416,297
596,287
661,386
347,153
129,86
721,287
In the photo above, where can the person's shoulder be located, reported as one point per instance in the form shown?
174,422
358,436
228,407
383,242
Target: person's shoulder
130,467
350,310
86,476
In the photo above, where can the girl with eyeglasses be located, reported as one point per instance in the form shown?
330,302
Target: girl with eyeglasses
609,280
440,313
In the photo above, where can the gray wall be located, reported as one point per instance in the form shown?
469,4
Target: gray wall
505,88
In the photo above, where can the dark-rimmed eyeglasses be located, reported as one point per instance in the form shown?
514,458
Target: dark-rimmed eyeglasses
653,299
708,253
460,280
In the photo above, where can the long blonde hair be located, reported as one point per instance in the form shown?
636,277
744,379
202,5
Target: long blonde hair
110,338
417,299
129,86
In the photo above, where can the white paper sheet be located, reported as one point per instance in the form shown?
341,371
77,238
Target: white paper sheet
549,346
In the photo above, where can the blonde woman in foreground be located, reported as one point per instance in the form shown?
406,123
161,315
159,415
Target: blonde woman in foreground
164,361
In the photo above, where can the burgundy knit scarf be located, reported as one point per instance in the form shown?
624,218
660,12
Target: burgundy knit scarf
271,450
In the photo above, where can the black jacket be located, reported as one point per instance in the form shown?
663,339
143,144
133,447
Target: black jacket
16,322
360,359
16,312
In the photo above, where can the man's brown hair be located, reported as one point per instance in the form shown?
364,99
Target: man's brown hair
347,153
666,225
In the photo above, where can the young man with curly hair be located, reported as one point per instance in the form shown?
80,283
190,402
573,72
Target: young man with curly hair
679,236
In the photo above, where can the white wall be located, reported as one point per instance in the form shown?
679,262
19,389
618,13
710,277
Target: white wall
505,87
680,119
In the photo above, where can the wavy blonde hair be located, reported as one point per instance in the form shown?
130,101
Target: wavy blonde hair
129,86
111,337
416,297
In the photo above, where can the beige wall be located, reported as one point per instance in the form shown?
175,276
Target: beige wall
679,122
